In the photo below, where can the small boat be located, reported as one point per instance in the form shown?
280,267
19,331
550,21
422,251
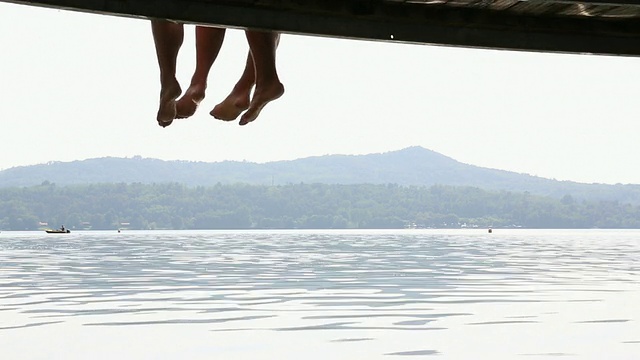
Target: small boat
58,231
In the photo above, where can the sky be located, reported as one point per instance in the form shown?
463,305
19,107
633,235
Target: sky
75,86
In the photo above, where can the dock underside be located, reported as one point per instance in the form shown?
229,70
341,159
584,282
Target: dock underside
595,27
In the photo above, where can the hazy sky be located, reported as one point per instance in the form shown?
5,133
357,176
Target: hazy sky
77,86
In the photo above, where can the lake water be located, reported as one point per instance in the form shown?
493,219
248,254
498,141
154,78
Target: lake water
403,294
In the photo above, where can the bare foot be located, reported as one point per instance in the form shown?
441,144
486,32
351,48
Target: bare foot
167,109
231,107
186,106
261,97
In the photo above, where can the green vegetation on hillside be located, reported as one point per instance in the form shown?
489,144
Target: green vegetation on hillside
319,206
413,166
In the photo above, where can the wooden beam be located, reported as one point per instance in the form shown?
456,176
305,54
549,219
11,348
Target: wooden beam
397,21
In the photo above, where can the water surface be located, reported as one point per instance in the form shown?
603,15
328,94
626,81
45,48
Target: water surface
404,294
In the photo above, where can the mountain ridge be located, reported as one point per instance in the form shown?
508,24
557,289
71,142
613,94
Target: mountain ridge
412,166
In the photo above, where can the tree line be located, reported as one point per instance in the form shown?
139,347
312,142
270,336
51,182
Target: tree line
297,206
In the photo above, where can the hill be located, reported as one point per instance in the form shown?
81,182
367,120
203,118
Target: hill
411,166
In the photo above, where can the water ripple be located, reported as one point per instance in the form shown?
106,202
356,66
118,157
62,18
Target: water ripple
361,283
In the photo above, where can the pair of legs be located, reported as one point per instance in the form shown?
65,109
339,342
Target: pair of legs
260,70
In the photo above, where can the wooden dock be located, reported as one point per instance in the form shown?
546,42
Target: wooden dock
608,27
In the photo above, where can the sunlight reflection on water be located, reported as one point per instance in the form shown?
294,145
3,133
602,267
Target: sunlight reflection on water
324,294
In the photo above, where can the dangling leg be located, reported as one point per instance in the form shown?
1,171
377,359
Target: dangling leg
168,37
208,43
238,100
268,86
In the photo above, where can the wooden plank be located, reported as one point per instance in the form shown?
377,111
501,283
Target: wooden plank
399,21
